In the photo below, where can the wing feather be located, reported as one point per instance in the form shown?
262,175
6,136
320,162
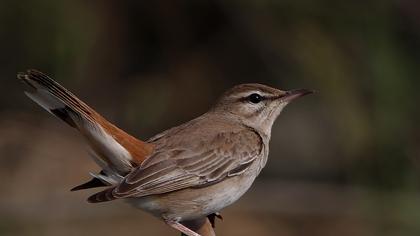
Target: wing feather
228,154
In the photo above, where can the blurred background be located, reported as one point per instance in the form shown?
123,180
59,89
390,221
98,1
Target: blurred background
344,161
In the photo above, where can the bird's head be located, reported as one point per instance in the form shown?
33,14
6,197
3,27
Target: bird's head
256,105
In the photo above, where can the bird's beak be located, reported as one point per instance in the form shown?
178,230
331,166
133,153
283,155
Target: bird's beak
291,95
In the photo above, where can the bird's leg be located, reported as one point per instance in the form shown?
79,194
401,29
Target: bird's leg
201,226
180,227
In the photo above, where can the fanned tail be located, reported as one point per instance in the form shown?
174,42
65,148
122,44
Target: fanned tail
116,151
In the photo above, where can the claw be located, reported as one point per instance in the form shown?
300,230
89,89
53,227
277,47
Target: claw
212,218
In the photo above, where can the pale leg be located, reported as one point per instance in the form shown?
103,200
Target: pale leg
180,227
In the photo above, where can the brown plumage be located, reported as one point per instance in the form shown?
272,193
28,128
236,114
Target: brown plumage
193,160
60,102
187,172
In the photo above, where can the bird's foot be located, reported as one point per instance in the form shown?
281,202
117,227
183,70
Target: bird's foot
212,218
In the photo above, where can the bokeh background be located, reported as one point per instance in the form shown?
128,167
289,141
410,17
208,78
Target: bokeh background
343,162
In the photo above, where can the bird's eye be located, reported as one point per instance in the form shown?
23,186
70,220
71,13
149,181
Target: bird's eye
255,98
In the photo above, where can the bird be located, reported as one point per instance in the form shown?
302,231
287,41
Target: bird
185,173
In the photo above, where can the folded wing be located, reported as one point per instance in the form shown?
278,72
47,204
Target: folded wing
227,154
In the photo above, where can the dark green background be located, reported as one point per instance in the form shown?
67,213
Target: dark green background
344,161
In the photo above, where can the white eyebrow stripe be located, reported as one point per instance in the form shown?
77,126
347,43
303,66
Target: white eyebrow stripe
246,94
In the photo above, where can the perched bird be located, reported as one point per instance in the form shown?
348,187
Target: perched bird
185,173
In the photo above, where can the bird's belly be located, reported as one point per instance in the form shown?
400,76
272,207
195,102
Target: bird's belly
195,203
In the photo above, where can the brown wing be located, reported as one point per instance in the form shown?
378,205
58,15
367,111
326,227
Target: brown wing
221,156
